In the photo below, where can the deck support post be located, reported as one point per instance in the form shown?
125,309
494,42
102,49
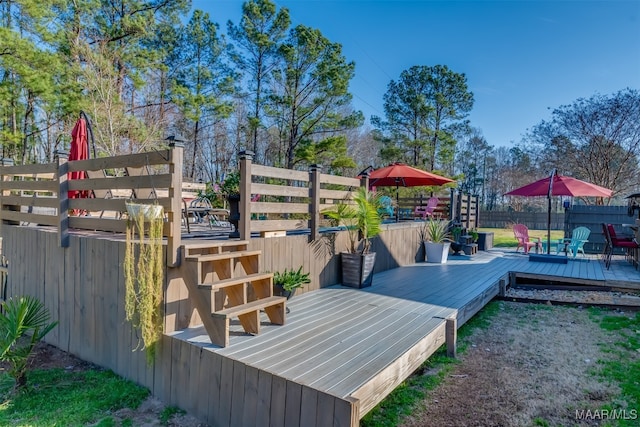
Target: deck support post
451,336
175,194
314,206
512,279
244,225
503,287
61,158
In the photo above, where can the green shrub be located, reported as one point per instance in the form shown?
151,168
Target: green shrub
291,279
25,322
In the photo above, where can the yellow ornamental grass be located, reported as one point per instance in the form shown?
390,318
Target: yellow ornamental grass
144,276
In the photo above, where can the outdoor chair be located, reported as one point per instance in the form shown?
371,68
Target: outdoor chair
579,236
141,193
521,232
386,207
612,241
426,211
199,208
99,193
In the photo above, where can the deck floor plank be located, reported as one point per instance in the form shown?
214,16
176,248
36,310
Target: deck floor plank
339,340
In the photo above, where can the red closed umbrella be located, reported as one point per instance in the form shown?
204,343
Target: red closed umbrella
79,151
559,185
400,174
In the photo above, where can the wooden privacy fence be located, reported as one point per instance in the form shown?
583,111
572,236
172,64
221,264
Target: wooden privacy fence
591,217
533,220
464,209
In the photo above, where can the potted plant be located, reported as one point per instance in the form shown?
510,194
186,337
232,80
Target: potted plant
287,281
362,222
474,234
436,238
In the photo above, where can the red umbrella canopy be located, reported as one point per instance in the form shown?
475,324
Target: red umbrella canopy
79,151
562,186
400,174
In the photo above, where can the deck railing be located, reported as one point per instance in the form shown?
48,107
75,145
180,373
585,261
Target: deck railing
285,200
455,206
39,193
271,199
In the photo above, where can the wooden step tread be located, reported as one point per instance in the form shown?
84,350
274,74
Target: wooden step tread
249,307
215,244
235,281
224,255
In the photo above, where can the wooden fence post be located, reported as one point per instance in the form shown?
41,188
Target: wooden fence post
61,158
452,206
244,225
468,221
176,159
9,162
314,206
364,179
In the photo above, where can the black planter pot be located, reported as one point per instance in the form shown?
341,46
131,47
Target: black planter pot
456,247
357,269
283,292
280,291
234,214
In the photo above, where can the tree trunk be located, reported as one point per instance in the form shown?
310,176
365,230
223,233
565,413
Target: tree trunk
195,150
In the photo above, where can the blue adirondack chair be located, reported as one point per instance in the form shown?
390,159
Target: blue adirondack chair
386,207
579,236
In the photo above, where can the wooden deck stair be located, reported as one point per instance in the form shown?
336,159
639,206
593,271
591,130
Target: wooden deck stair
225,282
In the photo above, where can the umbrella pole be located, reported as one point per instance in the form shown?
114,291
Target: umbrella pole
549,227
549,194
397,204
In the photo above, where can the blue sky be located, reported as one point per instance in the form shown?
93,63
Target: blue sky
521,58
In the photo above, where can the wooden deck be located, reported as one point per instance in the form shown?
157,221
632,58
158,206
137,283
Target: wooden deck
357,345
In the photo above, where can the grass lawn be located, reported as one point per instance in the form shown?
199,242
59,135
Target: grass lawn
57,397
503,237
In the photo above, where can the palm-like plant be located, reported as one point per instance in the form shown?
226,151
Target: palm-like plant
24,323
435,231
361,219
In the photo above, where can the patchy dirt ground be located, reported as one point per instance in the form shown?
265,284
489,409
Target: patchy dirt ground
533,366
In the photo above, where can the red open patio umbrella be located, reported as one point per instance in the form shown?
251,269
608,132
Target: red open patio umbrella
559,185
400,174
79,151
